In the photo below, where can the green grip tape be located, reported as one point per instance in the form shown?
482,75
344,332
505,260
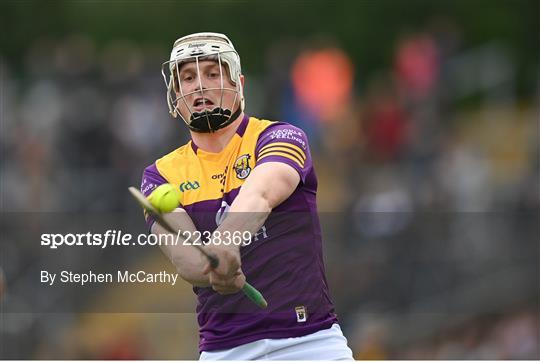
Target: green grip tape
254,295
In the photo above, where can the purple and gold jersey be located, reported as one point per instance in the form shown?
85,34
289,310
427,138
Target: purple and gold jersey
284,260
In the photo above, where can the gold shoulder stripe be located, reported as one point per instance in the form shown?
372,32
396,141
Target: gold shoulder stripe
282,154
287,150
285,144
286,147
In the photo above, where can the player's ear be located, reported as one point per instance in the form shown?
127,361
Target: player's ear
242,80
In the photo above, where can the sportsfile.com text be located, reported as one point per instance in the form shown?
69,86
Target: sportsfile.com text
120,238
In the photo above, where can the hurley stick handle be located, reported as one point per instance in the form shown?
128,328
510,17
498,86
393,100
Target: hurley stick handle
254,295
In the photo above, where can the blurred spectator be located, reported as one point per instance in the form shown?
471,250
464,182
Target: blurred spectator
385,123
3,286
417,65
322,81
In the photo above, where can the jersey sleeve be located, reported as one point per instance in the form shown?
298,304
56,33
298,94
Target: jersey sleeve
282,142
150,180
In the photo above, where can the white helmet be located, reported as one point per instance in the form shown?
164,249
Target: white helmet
194,48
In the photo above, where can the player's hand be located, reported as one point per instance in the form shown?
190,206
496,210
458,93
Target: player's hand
227,278
227,285
229,260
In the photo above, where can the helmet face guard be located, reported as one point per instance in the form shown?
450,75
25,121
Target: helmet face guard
194,49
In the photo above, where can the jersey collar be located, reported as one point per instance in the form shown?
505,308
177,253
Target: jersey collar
239,131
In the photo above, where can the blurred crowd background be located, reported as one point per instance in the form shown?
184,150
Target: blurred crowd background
424,126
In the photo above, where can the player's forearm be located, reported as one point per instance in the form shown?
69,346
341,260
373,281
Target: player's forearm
187,260
248,214
267,187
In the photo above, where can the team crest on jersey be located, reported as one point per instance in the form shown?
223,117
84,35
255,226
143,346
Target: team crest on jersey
241,166
301,314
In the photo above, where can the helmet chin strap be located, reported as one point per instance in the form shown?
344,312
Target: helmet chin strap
210,121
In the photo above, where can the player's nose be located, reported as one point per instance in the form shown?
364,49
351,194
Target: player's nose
198,87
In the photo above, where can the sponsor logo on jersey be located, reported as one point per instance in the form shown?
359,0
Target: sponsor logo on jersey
188,185
301,314
241,166
218,176
221,213
147,186
289,134
262,233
